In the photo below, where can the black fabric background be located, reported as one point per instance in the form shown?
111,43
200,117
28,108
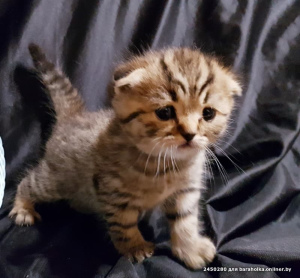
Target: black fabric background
254,219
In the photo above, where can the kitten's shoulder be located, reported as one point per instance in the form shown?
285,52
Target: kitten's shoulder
101,118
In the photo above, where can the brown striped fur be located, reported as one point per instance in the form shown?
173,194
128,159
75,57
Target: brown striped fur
118,163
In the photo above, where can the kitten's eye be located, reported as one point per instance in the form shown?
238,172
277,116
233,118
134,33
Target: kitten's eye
208,113
165,113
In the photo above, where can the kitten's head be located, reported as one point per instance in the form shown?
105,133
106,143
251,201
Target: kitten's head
176,99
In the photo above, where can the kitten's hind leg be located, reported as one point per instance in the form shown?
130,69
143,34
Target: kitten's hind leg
34,188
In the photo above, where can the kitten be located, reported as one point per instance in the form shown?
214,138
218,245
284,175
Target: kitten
168,107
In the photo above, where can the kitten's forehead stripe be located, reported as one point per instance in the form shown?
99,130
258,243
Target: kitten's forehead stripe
206,97
197,79
173,95
208,61
179,83
208,81
194,89
171,79
165,69
169,76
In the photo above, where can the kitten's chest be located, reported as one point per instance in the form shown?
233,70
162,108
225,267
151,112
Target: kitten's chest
150,192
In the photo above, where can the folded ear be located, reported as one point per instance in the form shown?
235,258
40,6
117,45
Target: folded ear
125,80
234,84
121,71
236,88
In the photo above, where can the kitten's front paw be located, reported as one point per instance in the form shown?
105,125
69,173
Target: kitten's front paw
24,216
198,255
139,252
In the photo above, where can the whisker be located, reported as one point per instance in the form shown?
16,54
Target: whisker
149,155
172,160
229,145
234,164
176,163
208,167
221,169
220,140
158,161
165,162
168,161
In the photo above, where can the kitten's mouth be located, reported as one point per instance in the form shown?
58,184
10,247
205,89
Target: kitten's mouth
187,145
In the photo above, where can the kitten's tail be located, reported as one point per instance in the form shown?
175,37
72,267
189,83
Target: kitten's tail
65,97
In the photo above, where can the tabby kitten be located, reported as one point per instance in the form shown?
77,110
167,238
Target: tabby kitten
168,107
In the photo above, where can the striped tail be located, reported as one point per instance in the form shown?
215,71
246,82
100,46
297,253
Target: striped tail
65,97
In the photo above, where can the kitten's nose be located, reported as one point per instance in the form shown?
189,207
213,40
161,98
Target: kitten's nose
188,136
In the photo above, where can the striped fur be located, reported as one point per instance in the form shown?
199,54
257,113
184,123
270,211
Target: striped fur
118,163
65,97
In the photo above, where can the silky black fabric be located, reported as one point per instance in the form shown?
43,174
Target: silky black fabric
254,217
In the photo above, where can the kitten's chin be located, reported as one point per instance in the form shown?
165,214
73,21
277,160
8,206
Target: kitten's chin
186,151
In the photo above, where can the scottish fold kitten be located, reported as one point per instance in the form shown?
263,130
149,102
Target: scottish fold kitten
169,106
